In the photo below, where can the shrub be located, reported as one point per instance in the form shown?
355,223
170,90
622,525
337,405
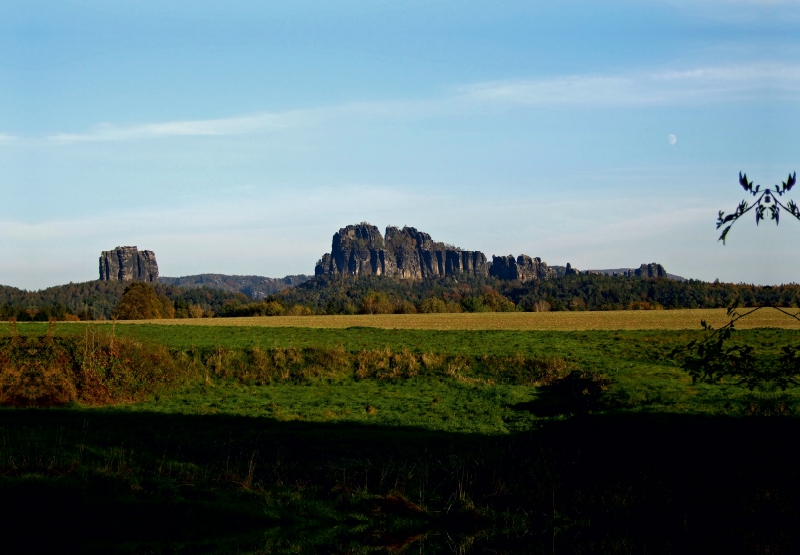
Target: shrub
141,302
495,302
520,370
431,306
386,365
473,304
372,363
95,369
376,303
404,365
273,308
433,362
405,307
540,306
167,308
195,311
577,304
299,310
643,305
456,366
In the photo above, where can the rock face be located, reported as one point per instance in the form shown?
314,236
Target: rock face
404,253
524,268
408,253
128,264
652,270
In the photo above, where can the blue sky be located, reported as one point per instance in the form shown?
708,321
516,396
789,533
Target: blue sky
237,137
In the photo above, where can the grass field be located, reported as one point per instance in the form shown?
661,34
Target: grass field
643,377
553,321
459,456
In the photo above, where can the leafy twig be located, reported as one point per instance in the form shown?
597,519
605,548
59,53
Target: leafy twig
768,200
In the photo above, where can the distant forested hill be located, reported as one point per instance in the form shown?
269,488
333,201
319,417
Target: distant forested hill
255,287
88,299
575,292
92,300
603,292
347,294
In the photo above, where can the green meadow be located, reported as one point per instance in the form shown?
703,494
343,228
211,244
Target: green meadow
356,440
640,373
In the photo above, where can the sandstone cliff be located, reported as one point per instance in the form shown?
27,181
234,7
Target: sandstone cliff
403,253
524,268
408,253
412,254
128,264
652,270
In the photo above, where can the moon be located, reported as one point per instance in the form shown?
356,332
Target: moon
672,139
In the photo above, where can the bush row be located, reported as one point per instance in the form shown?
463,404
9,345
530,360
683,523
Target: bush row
257,366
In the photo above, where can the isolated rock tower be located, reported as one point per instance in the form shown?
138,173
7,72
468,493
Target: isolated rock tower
128,264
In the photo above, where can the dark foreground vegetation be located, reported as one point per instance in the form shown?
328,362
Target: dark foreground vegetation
125,482
264,440
98,300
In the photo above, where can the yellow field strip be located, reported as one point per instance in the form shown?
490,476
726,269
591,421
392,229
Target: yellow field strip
563,321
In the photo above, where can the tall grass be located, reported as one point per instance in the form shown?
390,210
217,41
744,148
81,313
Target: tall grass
257,366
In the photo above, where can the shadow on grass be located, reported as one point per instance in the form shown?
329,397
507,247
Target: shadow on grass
101,515
579,392
122,482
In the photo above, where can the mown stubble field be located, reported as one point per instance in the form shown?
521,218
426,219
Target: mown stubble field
556,321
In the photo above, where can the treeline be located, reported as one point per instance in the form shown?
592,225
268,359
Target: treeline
600,292
328,295
97,300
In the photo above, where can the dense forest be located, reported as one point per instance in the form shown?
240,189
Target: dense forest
575,292
96,300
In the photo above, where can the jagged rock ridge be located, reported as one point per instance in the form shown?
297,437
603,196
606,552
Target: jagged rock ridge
652,270
411,254
128,264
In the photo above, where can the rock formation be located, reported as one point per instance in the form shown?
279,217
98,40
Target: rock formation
411,254
524,268
403,253
652,270
128,264
570,271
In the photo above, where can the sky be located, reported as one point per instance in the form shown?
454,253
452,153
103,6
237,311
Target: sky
237,137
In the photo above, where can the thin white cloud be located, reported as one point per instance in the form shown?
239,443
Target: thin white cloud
670,87
5,138
223,214
238,125
673,87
